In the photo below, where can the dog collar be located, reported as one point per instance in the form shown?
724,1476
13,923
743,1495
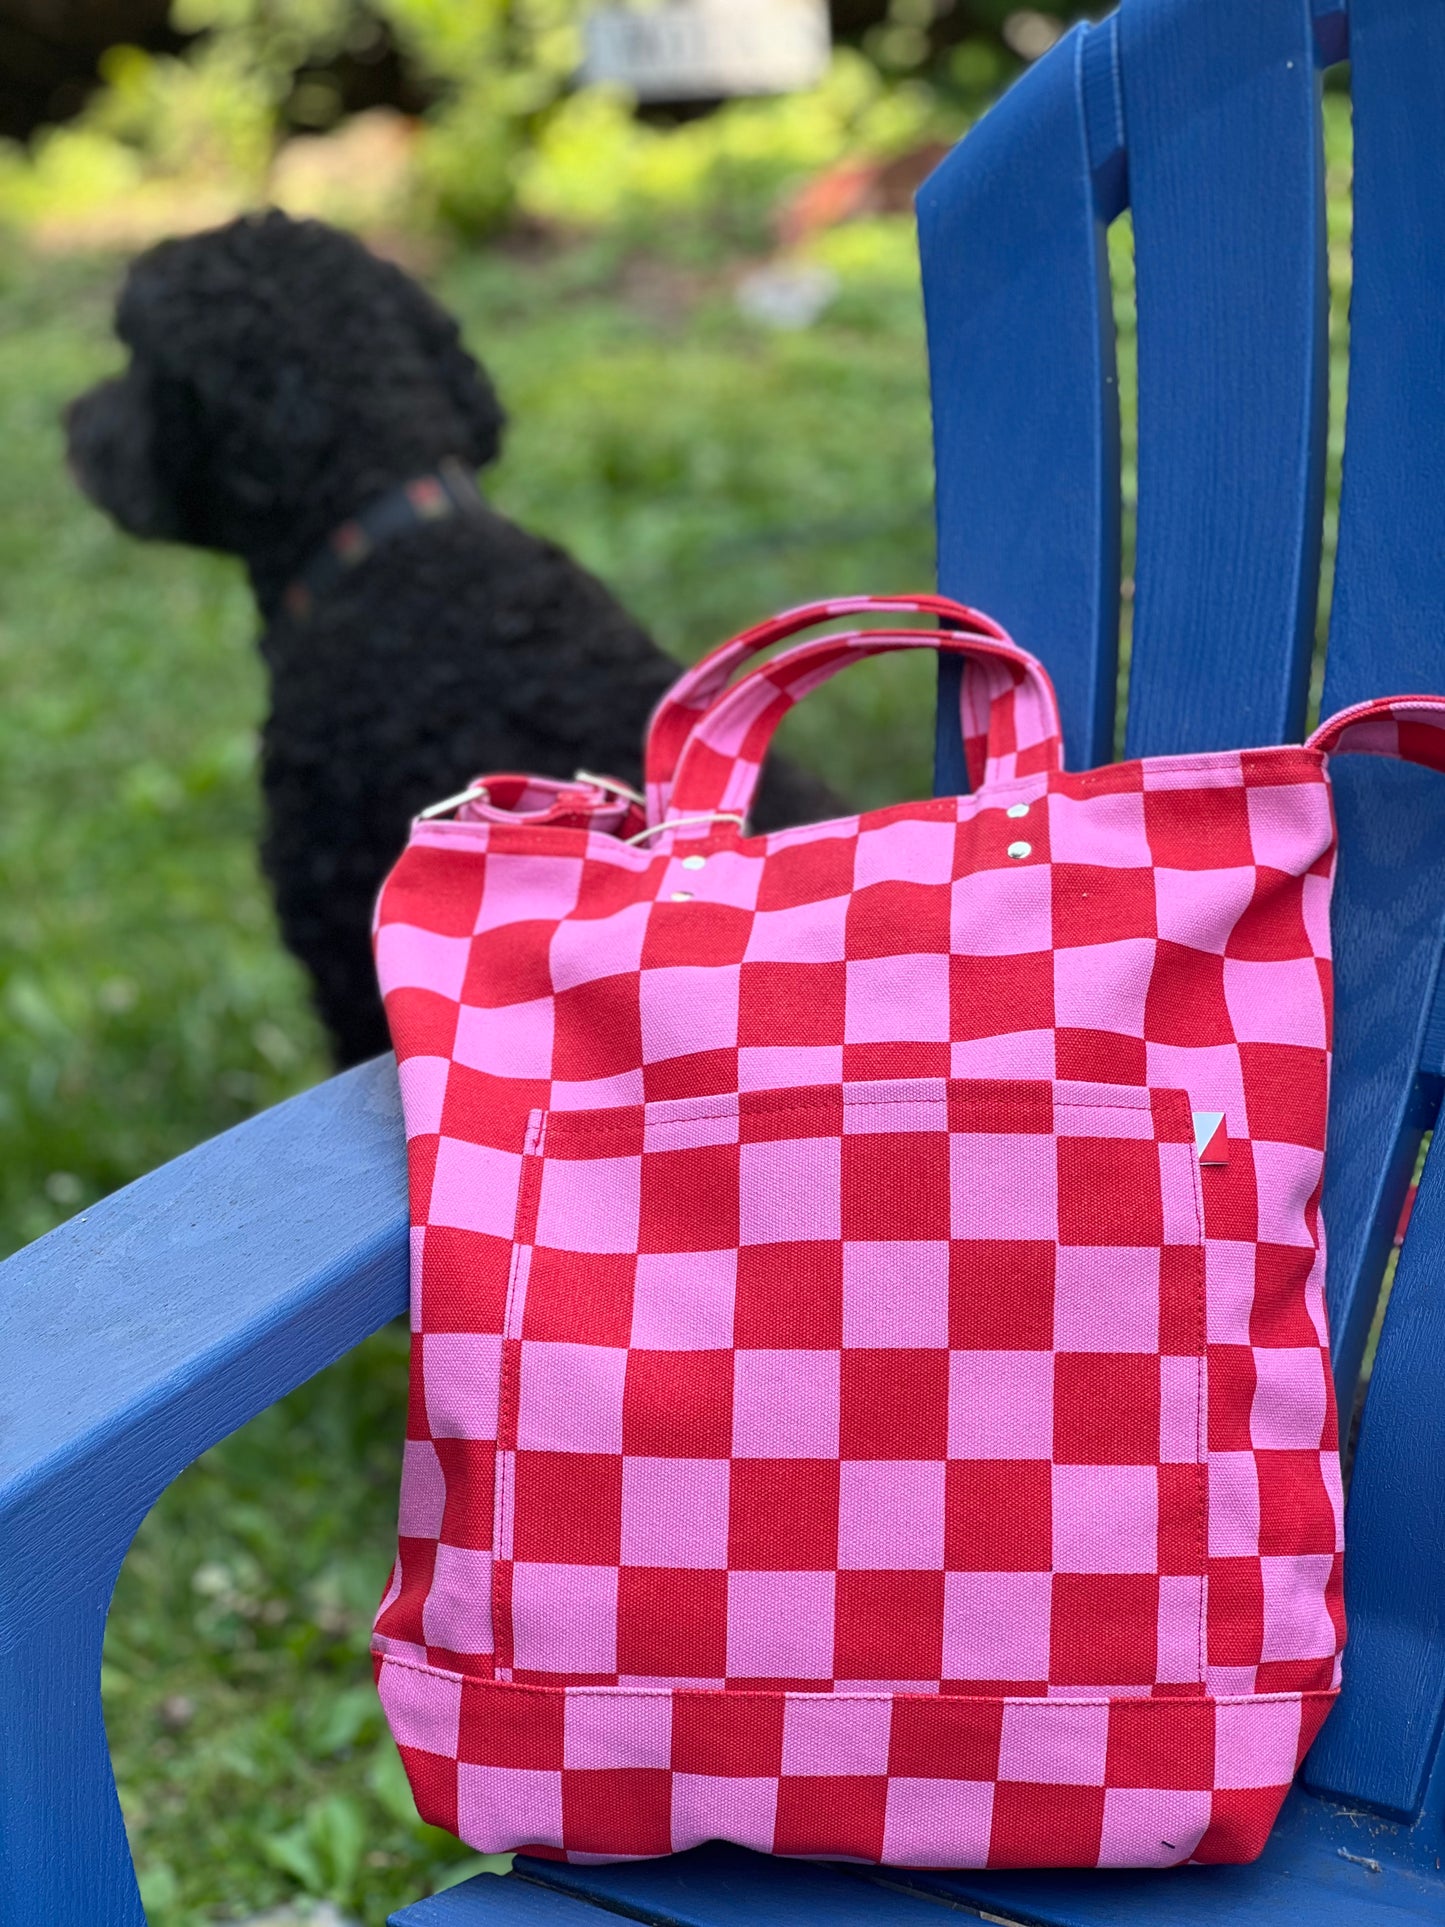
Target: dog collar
448,491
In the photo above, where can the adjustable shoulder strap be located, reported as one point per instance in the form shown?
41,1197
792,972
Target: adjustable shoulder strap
1410,728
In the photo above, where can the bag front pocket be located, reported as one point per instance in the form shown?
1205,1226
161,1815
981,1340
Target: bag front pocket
887,1386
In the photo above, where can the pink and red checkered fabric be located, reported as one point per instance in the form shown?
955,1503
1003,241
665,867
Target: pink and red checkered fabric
865,1401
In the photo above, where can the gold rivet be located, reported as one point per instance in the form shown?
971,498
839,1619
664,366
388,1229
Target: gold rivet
682,896
693,862
1018,809
1018,851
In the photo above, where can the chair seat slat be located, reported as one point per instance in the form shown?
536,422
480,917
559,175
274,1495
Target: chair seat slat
487,1901
720,1886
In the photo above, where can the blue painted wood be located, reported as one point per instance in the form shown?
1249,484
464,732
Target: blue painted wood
1332,31
1321,1868
1226,187
1025,398
718,1886
1386,634
1387,937
1216,110
1331,1868
170,1314
132,1339
490,1902
63,1850
1382,1741
1215,100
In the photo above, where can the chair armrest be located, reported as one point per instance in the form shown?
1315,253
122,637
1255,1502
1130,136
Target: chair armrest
131,1339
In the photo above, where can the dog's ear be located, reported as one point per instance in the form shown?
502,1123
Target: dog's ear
480,414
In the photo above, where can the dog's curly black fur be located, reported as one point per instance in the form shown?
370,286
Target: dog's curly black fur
282,377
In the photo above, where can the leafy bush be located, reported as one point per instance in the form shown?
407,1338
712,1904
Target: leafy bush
498,66
714,182
508,128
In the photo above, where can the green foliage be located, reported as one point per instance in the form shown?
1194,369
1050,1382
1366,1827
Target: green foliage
211,115
713,184
509,129
501,66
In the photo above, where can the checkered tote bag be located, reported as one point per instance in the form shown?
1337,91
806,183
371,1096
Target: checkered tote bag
870,1388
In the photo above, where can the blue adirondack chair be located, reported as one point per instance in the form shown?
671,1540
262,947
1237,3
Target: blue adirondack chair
145,1330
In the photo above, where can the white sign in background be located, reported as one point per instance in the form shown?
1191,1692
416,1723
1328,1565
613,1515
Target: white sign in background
699,49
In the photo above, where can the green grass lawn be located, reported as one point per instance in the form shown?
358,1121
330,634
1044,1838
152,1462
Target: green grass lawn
713,472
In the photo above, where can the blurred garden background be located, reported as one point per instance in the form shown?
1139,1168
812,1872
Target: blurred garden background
705,323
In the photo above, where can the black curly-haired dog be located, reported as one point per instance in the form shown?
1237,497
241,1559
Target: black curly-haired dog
284,388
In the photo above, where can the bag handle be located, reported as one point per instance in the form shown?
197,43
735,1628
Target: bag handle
1008,709
1008,712
698,688
1409,728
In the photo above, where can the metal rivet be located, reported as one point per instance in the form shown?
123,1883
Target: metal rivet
682,896
693,862
1018,851
1018,809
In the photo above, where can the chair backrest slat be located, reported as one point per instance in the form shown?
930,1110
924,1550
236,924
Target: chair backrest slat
1380,1743
1020,329
1203,114
1387,632
1386,626
1226,186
